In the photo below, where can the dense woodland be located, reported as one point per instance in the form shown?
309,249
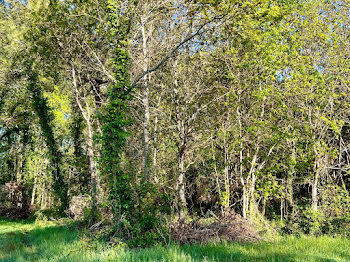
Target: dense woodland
163,110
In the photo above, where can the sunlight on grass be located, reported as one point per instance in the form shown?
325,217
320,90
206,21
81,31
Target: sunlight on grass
29,241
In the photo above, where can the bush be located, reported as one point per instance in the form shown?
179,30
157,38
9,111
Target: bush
317,223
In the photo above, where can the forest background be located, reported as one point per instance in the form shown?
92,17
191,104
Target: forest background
162,110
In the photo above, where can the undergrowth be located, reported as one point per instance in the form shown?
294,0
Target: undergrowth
57,241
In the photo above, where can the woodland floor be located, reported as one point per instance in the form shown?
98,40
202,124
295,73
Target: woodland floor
30,241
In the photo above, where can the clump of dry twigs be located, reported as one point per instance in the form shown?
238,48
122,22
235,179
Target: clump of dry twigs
229,227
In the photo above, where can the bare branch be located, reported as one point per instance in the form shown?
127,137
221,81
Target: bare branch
173,51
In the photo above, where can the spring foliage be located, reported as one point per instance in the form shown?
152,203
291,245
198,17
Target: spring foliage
160,110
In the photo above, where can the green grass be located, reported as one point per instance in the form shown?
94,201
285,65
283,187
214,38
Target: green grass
30,241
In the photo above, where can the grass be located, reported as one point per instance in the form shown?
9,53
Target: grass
30,241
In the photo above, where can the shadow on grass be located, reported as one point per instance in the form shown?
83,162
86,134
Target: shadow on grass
26,241
39,243
250,252
5,221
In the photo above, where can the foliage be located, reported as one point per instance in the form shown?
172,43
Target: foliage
163,110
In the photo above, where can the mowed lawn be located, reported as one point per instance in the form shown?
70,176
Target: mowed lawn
30,241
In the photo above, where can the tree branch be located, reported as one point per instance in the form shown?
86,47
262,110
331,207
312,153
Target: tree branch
173,51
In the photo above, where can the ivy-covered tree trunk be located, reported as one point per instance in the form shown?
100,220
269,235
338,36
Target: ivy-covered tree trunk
115,120
45,120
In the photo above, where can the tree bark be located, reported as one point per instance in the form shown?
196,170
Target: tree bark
155,150
290,179
90,144
145,100
92,165
34,191
227,178
181,181
182,147
314,193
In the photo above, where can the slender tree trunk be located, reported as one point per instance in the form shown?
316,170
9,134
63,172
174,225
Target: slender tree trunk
34,191
181,182
90,144
145,100
252,204
216,172
181,166
92,166
314,183
290,178
182,147
251,184
245,199
314,194
155,150
227,178
42,198
146,138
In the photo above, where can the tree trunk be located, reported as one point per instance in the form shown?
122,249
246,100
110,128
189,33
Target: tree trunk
181,182
155,136
145,100
227,179
245,199
252,204
182,147
33,192
146,138
290,179
45,120
314,183
314,194
90,145
92,166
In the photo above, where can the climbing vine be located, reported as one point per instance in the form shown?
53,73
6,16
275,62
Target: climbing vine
46,117
115,119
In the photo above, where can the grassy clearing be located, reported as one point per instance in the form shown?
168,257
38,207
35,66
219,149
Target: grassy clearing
30,241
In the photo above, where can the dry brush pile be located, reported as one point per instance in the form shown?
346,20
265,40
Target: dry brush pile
229,227
13,202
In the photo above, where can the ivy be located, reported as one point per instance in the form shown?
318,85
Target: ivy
46,118
115,120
